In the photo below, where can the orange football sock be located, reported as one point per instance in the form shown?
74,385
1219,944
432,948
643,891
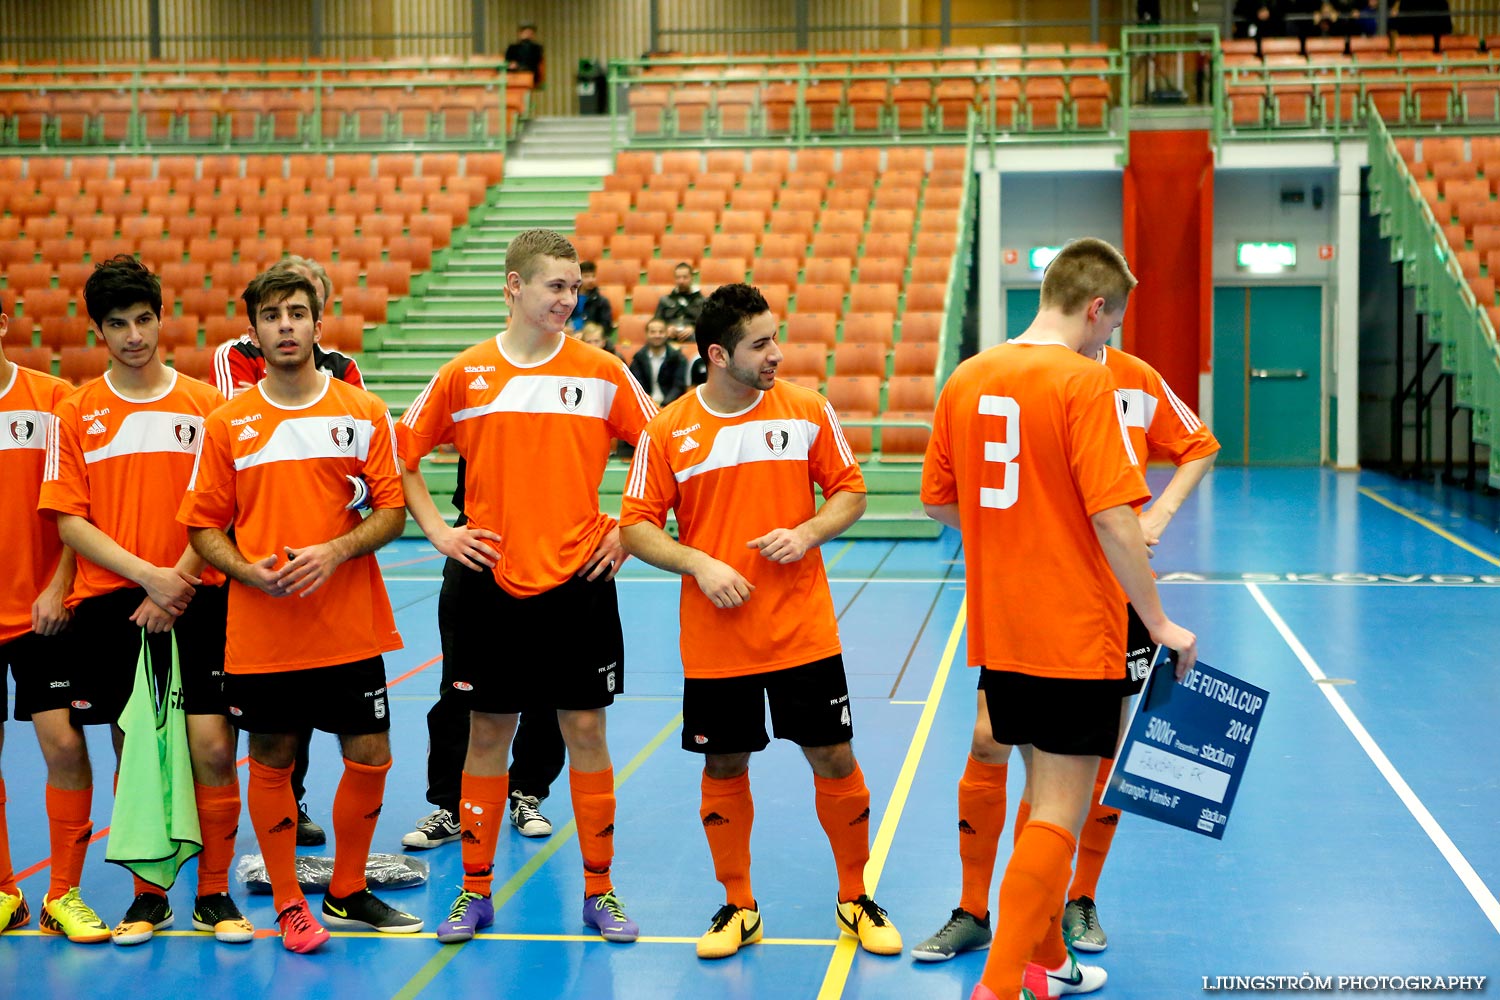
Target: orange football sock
356,809
594,809
1093,843
219,818
1052,950
981,820
481,813
70,829
843,806
728,813
7,874
1034,883
1023,813
273,812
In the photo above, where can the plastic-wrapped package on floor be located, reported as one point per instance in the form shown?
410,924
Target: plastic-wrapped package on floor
382,871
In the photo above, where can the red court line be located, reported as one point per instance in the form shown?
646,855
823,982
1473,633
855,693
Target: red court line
412,562
47,861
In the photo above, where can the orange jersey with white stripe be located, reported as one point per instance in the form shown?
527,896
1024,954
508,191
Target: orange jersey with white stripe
280,477
536,438
1029,441
1160,425
124,464
29,546
732,477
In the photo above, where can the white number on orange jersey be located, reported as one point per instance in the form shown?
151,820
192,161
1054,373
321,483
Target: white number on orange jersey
1003,452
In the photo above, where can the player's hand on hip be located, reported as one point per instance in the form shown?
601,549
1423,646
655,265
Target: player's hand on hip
781,545
607,558
49,615
1180,641
170,588
152,618
1153,523
306,569
466,544
722,585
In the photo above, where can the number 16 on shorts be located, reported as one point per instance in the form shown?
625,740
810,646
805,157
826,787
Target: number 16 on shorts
1187,747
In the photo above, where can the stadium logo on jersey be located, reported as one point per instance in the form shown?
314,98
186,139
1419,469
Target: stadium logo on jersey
778,436
479,384
571,393
185,433
248,433
22,429
98,428
341,429
688,444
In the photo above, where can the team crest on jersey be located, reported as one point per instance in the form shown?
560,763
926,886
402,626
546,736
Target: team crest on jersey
185,433
777,437
571,393
341,429
22,430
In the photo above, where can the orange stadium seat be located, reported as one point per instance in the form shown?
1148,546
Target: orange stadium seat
870,327
854,392
812,328
856,358
803,358
916,357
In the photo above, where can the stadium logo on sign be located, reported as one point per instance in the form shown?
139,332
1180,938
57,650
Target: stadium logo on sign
571,394
22,429
341,429
185,433
777,438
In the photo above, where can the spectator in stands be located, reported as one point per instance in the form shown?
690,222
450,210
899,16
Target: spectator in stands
660,368
1259,18
593,335
525,53
1367,12
592,306
1332,20
680,307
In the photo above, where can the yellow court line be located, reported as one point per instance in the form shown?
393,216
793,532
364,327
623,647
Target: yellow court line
838,555
843,953
1441,533
434,965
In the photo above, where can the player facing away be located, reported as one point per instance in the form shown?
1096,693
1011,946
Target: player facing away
116,471
38,570
308,613
1161,426
534,414
1030,461
737,459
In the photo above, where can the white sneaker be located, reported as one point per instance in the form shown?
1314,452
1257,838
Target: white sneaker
433,830
527,819
1071,977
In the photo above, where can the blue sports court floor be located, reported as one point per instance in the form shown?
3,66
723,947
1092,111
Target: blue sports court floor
1365,842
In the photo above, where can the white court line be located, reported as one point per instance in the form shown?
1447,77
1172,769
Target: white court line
1425,820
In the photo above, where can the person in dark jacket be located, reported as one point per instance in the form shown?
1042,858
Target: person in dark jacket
592,306
660,368
680,307
524,55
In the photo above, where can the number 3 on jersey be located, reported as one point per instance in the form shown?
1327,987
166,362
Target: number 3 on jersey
1003,452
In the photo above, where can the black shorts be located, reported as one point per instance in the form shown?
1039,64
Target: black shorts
34,661
347,699
561,649
1138,651
1066,717
104,647
809,707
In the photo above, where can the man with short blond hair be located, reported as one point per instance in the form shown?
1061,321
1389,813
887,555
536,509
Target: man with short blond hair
538,561
1030,461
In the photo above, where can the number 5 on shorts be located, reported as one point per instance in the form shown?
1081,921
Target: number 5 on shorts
1004,451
